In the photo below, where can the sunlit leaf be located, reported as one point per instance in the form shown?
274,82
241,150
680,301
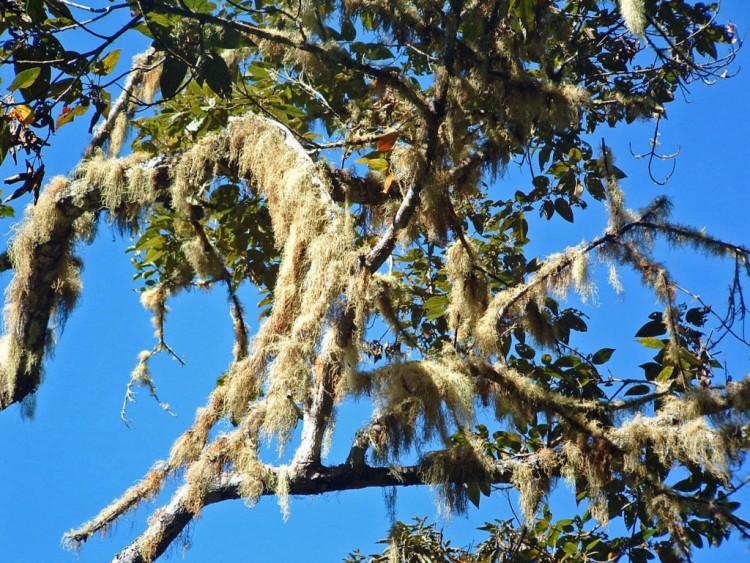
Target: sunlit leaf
108,63
22,113
651,342
25,78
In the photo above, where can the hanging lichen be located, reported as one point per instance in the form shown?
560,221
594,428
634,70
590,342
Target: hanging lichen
634,14
469,293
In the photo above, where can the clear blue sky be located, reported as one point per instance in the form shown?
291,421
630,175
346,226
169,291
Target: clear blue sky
77,455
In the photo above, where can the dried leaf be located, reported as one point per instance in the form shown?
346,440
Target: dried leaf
386,142
389,182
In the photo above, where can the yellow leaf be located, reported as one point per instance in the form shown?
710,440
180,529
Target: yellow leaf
22,113
374,163
108,63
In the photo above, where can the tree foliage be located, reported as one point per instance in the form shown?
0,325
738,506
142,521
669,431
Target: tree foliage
345,159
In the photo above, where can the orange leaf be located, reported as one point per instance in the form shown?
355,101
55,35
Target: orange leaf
389,182
386,142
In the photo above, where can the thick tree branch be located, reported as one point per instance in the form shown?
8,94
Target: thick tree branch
171,520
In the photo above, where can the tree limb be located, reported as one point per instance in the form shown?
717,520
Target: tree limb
172,519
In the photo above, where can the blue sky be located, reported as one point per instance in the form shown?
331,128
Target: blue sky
77,455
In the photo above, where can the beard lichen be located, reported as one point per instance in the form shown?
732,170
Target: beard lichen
420,400
44,289
469,294
454,468
633,13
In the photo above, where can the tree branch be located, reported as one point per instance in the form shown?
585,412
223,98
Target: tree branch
5,262
327,55
124,104
172,519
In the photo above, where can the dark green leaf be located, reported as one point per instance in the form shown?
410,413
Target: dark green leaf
216,74
652,328
525,351
473,493
35,10
563,209
602,356
59,9
697,316
4,139
638,390
548,209
348,30
692,483
172,75
595,187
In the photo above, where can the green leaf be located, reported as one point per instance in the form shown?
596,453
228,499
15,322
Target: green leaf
6,211
25,78
665,374
35,10
172,74
216,74
575,155
473,493
435,307
602,356
651,342
68,114
563,209
259,72
200,6
374,161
